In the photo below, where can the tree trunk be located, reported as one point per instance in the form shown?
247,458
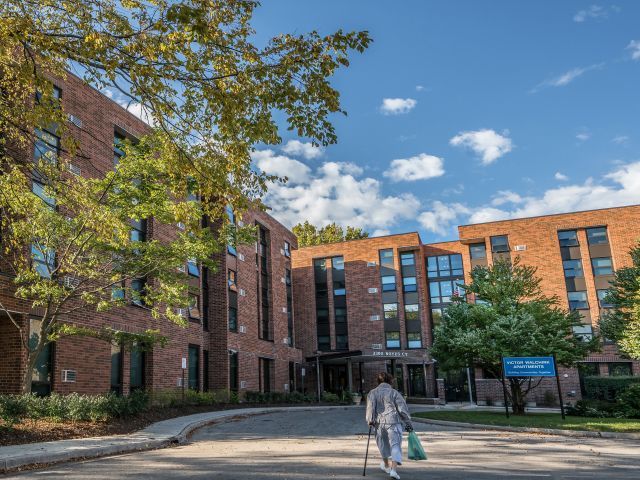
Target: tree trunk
517,397
32,357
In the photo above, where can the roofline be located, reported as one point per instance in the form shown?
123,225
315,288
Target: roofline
550,215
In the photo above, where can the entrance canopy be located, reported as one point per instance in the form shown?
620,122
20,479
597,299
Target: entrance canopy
364,356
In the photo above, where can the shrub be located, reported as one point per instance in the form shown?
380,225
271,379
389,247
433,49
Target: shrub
629,402
607,388
550,398
594,408
330,397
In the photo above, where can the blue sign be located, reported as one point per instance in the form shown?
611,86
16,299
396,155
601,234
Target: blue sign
528,367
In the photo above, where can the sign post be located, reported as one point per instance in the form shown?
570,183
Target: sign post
532,367
504,391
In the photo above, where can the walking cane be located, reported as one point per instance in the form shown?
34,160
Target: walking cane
366,455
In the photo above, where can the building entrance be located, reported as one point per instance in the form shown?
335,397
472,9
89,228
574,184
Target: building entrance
335,378
417,387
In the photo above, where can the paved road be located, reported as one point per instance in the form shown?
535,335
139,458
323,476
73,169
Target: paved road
330,445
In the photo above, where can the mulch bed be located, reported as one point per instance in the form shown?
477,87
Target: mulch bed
33,431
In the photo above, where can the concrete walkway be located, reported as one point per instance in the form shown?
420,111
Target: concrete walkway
157,435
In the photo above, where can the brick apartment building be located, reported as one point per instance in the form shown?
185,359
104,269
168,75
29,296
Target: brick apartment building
240,330
378,298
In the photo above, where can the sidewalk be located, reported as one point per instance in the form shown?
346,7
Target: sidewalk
157,435
419,407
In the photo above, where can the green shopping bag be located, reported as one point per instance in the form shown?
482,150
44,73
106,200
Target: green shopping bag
416,452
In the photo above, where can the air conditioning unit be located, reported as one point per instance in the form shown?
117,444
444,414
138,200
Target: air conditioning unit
520,248
285,340
181,225
243,293
243,384
182,312
372,264
282,251
282,279
373,290
71,282
182,269
284,309
74,169
69,376
241,257
242,329
376,346
75,120
374,317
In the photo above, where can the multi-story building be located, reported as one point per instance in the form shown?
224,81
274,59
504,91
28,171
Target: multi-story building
392,291
240,330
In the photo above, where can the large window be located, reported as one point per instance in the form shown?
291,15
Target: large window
597,236
386,258
266,374
233,370
407,259
231,247
602,266
41,373
620,369
138,289
138,230
578,300
44,260
568,238
192,267
47,147
412,312
136,371
583,332
116,369
194,367
442,291
390,310
478,251
500,244
194,306
39,190
414,340
409,284
392,339
572,268
444,266
602,295
388,283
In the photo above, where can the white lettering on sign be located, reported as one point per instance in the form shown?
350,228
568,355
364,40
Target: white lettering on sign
389,354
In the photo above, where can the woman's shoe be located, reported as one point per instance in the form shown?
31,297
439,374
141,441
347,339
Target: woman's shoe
394,474
384,468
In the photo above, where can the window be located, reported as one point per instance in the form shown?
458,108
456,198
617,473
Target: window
342,342
602,295
138,291
388,283
233,319
231,248
233,370
568,238
266,366
409,284
597,236
138,230
436,316
412,312
414,340
41,373
390,310
118,144
444,265
287,249
500,244
572,268
337,263
231,280
620,369
324,343
38,189
339,289
44,260
393,339
47,146
117,292
192,267
386,258
407,259
441,292
602,266
194,367
341,314
578,301
478,251
194,309
583,332
192,190
136,369
116,369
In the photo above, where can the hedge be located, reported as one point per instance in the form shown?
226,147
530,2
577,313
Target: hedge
607,388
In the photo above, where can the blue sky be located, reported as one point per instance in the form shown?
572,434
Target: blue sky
494,109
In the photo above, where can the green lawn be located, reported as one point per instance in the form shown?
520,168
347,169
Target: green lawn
537,420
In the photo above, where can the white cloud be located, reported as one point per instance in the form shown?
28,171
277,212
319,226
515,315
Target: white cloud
583,136
567,77
561,176
280,165
419,88
441,217
489,144
380,232
397,106
593,12
303,149
634,46
620,139
135,108
420,167
337,192
617,188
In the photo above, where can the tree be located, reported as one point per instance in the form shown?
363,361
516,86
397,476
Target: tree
622,322
309,234
210,95
512,319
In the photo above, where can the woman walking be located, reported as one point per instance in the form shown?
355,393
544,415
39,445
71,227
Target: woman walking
387,412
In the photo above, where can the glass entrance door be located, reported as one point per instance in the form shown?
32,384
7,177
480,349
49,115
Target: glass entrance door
416,381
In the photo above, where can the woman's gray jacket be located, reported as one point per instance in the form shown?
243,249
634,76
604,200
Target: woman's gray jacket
386,406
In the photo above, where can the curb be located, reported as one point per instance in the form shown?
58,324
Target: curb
545,431
139,441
